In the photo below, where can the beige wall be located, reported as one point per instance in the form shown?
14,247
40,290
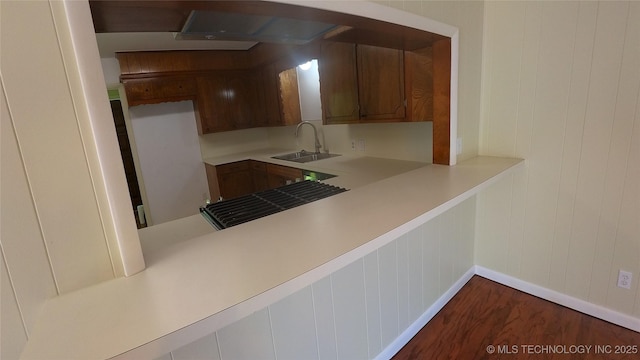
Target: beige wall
561,85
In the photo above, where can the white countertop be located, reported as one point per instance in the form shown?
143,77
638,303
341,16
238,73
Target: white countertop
351,170
200,283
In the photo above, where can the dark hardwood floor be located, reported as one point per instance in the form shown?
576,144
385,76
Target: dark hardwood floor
487,320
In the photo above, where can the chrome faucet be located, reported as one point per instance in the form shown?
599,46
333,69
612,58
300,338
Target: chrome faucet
315,134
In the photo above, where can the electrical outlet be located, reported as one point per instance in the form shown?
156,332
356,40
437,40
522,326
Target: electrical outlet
459,146
353,145
624,279
361,145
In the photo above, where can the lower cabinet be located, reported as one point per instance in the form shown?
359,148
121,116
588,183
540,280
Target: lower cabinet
278,175
240,178
234,179
259,174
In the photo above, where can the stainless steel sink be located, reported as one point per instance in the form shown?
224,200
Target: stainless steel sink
303,156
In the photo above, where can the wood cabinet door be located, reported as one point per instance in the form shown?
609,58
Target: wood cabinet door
259,173
381,84
235,179
278,175
338,83
269,114
289,97
212,104
242,98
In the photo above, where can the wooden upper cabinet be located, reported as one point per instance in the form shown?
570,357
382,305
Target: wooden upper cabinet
211,107
289,97
361,83
279,97
268,97
242,98
226,101
338,83
159,89
380,83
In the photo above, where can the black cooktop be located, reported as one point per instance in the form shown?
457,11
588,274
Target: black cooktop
227,213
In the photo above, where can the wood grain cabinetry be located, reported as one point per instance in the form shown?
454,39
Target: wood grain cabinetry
259,174
368,84
380,84
226,101
278,175
419,84
234,179
338,83
361,83
159,89
268,97
279,97
211,105
289,97
248,176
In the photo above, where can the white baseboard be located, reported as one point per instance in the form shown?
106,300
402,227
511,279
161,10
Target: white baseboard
412,330
571,302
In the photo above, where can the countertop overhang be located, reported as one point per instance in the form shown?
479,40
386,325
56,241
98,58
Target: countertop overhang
195,287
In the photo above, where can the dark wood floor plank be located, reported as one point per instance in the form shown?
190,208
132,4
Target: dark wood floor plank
518,326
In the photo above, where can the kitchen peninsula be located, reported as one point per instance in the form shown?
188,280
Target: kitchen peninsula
196,287
350,172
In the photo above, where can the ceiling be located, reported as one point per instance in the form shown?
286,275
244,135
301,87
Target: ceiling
134,25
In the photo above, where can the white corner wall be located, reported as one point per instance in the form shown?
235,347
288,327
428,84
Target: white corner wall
561,88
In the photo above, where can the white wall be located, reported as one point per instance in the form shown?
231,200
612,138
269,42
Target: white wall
111,70
359,310
166,138
561,88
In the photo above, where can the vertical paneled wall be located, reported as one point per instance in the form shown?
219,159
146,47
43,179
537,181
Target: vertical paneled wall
561,88
30,282
359,310
53,239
